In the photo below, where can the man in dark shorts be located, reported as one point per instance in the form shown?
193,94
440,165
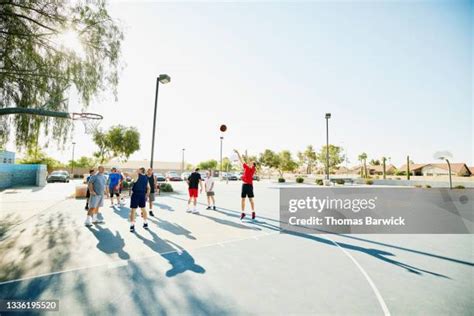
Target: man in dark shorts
194,182
152,182
88,193
247,185
140,192
114,186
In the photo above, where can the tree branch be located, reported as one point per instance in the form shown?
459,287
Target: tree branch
34,9
29,19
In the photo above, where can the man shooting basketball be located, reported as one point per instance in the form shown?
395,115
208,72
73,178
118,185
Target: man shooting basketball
247,185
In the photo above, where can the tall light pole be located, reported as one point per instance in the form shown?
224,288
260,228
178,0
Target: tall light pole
220,168
328,116
182,160
449,170
72,161
163,78
445,155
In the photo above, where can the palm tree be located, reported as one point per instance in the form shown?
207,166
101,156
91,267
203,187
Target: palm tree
363,159
384,160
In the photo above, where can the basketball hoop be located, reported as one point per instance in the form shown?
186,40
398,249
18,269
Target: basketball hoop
91,121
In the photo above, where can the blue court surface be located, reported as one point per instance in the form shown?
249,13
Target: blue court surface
214,264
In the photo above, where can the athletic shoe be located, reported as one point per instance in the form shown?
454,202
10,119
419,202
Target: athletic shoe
88,222
214,207
253,215
242,216
145,225
95,220
195,211
132,228
208,208
188,210
151,214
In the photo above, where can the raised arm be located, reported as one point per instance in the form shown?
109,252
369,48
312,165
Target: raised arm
238,155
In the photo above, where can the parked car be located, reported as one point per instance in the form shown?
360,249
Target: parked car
173,176
58,176
231,177
203,175
255,177
160,177
185,175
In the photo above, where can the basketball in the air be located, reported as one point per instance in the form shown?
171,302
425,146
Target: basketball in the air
223,128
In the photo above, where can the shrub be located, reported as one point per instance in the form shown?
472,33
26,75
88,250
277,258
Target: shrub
299,180
319,181
428,186
281,180
369,182
398,178
400,173
340,181
418,186
459,187
166,187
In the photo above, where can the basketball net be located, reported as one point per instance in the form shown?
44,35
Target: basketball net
91,121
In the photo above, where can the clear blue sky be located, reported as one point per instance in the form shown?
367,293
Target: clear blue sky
396,76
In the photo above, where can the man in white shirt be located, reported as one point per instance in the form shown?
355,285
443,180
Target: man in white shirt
209,186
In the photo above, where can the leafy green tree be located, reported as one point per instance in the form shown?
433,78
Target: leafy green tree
49,49
208,165
36,156
119,141
336,156
102,141
124,141
375,162
307,159
83,162
269,159
227,165
286,163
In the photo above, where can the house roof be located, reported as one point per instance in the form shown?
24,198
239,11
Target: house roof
413,166
376,168
455,167
379,168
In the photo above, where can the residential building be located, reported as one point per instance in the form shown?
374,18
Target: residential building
7,157
438,169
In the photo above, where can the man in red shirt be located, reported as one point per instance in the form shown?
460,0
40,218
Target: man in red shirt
247,185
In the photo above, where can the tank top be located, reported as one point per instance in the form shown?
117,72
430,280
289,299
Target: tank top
140,185
151,181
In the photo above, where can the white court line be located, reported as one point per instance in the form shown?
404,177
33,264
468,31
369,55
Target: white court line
120,263
379,297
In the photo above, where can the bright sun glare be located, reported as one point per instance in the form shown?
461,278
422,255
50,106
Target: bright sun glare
70,40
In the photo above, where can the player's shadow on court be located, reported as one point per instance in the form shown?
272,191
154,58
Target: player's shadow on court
229,223
164,207
179,259
172,227
109,243
124,211
376,253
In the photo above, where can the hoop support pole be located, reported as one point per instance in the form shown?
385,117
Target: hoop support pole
17,110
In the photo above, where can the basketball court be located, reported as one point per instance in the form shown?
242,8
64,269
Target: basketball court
213,263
